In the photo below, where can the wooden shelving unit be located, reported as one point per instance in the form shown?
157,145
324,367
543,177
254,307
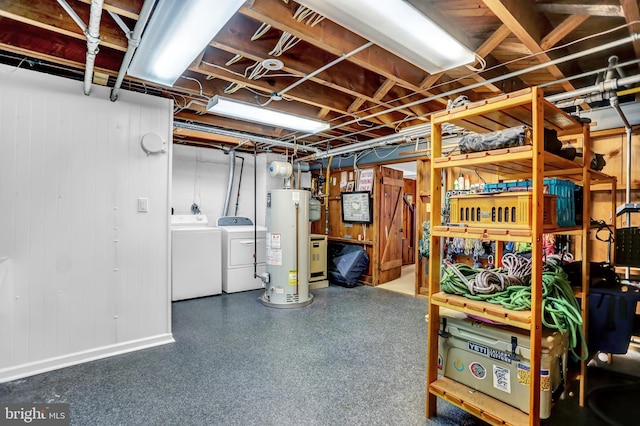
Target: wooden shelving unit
531,162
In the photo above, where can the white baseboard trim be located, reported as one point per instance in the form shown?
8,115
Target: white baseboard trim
43,366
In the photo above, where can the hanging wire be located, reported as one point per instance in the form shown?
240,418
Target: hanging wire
262,30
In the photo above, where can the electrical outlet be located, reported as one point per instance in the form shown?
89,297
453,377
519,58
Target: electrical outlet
143,205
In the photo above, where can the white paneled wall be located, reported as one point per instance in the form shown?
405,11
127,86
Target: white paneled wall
89,273
201,175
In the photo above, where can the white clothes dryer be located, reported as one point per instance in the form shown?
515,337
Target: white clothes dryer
240,241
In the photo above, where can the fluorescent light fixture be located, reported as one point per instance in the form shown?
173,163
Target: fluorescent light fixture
256,113
398,27
177,32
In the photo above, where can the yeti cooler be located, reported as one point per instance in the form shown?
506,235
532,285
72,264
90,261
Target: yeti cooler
495,360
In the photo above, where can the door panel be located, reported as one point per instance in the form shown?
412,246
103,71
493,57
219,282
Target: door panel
390,226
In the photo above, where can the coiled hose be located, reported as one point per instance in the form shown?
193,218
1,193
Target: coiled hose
560,309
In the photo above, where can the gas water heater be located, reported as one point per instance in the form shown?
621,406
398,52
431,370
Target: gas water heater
288,229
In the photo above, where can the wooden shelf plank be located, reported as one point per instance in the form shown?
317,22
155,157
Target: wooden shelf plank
516,163
520,319
518,158
499,234
508,111
480,405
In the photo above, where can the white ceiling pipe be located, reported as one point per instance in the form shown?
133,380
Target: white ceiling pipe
589,73
133,38
329,65
242,136
92,33
93,40
72,13
606,86
631,38
601,87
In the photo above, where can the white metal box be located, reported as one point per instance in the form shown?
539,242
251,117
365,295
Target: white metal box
495,360
317,257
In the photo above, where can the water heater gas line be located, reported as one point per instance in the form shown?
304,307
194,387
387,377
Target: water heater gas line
297,204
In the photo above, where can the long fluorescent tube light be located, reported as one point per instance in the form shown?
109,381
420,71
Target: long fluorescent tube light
398,27
256,113
177,32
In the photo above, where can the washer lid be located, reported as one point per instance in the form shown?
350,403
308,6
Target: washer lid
189,220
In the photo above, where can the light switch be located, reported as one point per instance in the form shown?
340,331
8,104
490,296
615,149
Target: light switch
143,205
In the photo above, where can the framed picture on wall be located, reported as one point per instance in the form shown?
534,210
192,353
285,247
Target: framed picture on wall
350,186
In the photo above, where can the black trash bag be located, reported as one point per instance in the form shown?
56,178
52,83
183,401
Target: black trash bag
551,142
603,275
346,265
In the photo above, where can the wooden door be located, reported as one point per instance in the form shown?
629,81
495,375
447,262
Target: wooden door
390,223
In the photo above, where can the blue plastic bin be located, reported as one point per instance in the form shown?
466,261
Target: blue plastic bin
564,189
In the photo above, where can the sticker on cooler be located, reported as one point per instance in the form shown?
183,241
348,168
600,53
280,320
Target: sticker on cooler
501,378
478,370
524,374
524,377
491,353
458,365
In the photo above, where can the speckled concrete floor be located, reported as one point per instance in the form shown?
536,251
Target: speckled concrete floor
353,357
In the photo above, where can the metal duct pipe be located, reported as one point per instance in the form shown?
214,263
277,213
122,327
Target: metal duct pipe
301,166
133,40
232,172
243,136
93,40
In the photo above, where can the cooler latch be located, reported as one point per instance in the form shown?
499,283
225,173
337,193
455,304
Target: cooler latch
514,346
442,333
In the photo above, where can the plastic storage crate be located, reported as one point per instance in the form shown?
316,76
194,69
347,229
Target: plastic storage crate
564,189
495,360
500,210
628,247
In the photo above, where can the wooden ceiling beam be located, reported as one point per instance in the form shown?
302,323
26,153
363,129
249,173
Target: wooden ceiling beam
127,8
562,30
50,16
632,14
493,41
328,36
525,23
345,77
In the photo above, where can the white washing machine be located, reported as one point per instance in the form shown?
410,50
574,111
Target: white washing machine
196,266
240,240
